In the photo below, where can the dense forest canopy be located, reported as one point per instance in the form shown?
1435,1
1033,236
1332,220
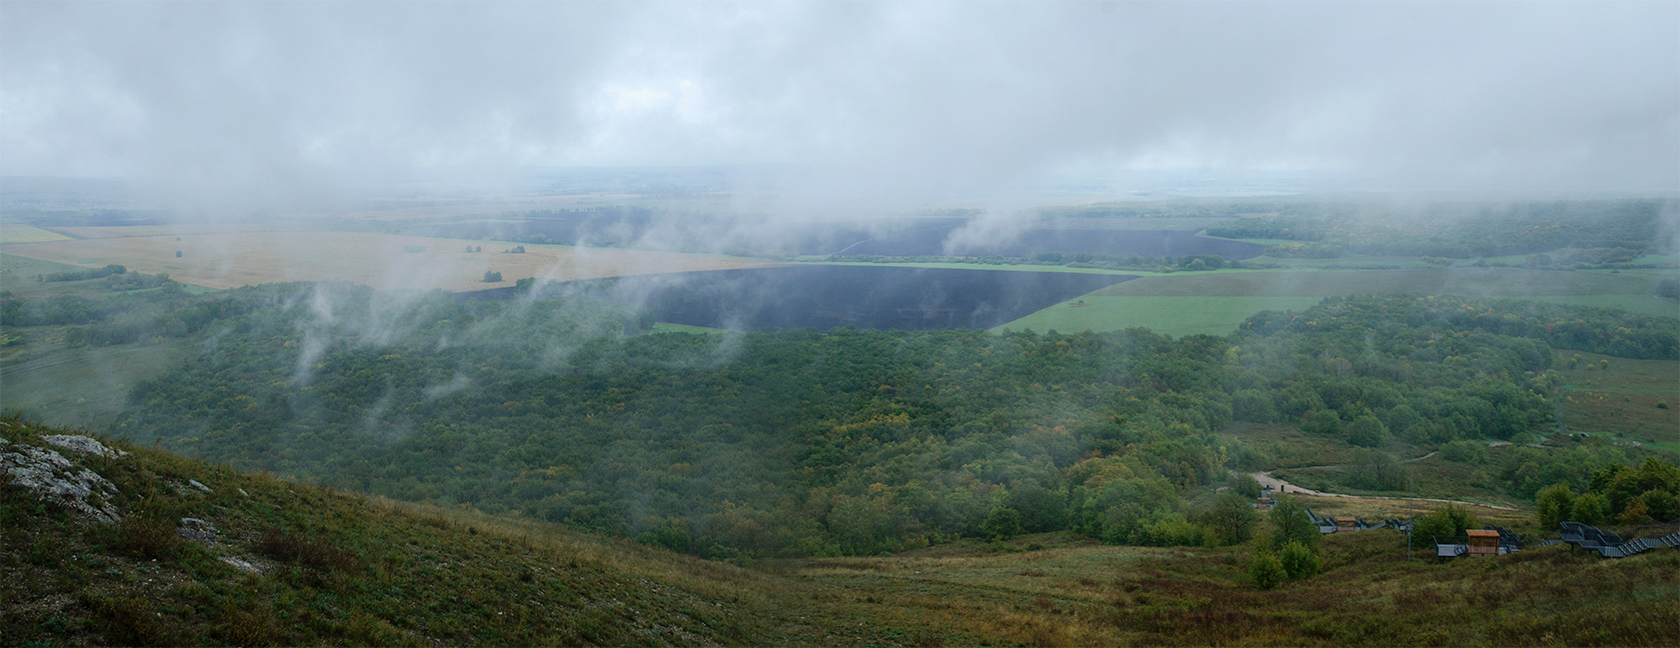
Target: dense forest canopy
800,442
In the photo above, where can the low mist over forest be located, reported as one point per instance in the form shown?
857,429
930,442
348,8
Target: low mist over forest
863,323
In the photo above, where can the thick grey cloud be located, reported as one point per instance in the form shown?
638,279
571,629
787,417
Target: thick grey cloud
897,101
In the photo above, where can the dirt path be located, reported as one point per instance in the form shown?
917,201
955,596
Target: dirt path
1266,479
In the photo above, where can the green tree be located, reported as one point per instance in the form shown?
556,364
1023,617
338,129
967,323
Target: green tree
1465,451
1232,518
1266,571
1635,512
856,524
1367,431
1588,509
1290,522
1244,485
673,535
1663,505
1445,521
1040,509
1555,504
1324,422
1299,561
1002,523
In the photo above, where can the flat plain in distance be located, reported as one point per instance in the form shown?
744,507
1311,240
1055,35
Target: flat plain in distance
379,260
20,233
1216,303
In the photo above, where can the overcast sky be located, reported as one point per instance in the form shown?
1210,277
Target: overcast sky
908,98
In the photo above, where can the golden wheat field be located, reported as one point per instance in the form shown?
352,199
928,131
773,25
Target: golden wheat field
227,260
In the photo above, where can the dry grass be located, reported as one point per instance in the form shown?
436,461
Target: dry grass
1369,595
227,260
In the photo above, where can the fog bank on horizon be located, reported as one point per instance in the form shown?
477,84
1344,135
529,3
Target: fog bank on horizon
875,104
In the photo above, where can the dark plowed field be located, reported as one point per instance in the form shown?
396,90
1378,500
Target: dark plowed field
825,297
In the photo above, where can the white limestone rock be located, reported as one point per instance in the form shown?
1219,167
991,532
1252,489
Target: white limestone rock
197,530
243,565
51,477
83,445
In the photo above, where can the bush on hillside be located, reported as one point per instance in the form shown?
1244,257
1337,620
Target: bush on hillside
1266,571
1298,561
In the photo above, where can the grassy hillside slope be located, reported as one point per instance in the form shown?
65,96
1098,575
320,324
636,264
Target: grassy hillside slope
289,564
341,569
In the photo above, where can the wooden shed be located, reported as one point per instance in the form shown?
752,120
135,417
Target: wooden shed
1483,542
1347,524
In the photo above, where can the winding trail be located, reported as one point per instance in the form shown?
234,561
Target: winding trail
1266,479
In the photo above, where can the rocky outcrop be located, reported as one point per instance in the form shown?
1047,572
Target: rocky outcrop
53,478
84,445
197,530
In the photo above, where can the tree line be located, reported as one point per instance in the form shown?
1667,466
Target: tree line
1591,230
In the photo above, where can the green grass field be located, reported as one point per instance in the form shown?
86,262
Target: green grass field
1128,224
1173,315
80,387
20,233
1279,446
17,276
1622,398
1216,302
980,266
667,327
1474,282
1434,478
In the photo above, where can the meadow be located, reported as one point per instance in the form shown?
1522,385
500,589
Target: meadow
20,233
1633,400
18,276
1470,282
1216,302
34,376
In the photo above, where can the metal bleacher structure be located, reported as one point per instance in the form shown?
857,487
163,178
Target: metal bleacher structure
1610,544
1328,525
1457,546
